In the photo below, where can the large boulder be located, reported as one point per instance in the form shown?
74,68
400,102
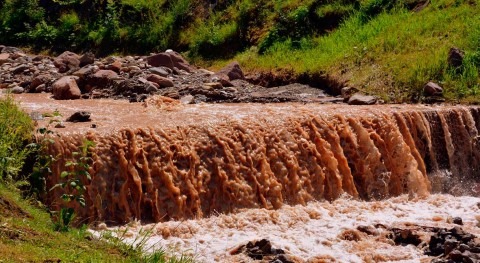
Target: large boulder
432,89
87,59
360,99
66,88
233,71
170,59
67,61
103,78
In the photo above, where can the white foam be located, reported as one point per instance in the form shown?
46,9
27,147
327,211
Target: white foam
314,230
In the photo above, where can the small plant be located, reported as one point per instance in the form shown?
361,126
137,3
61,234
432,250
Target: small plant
41,168
74,185
136,248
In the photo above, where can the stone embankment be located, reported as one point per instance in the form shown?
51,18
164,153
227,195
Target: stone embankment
72,76
135,78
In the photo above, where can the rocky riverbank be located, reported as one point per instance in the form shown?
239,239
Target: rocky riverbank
135,78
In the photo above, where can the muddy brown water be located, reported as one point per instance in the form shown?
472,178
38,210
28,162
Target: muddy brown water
161,160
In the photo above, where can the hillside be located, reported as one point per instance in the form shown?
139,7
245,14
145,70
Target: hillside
387,48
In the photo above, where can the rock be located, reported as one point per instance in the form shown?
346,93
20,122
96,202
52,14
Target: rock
262,250
161,59
87,59
102,78
170,60
17,90
151,88
67,61
66,88
405,237
233,71
458,221
163,82
19,69
222,79
188,99
79,116
206,72
213,85
360,99
158,71
39,80
4,58
84,71
1,48
347,92
179,62
11,50
60,125
455,57
432,89
41,88
115,66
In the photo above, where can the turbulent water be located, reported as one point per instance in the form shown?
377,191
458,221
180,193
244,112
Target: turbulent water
316,233
163,161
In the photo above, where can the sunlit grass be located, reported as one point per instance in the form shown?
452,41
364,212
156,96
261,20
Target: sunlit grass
393,55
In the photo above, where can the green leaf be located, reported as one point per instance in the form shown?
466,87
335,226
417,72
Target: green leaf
73,184
65,197
64,174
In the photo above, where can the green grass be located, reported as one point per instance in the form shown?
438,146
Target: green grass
27,235
15,131
392,55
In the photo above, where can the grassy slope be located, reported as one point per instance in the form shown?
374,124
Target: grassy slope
26,235
392,55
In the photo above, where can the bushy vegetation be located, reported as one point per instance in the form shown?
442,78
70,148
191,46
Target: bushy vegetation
386,47
15,132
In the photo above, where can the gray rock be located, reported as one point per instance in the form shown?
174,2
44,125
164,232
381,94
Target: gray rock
432,89
11,50
17,90
158,71
163,82
151,88
19,69
41,88
188,99
360,99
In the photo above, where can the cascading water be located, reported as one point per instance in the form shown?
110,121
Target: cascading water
264,156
